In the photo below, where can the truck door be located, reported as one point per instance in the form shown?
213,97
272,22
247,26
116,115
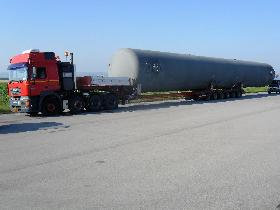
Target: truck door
40,82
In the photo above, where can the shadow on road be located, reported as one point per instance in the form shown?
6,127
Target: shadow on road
24,127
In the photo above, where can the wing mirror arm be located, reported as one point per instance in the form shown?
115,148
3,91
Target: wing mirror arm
34,73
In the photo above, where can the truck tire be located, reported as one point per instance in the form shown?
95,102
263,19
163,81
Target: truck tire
76,104
110,102
94,103
50,106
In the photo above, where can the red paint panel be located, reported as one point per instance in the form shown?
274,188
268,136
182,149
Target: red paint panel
35,88
22,86
22,58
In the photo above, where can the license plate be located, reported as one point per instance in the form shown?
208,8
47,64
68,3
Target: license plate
16,103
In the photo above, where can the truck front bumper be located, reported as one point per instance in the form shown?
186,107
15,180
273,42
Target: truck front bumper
20,104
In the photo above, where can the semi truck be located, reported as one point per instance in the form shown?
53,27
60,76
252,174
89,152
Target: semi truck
41,82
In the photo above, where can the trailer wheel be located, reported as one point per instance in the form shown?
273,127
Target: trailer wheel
76,104
94,103
194,97
110,102
51,106
238,94
227,95
233,94
207,98
214,96
221,96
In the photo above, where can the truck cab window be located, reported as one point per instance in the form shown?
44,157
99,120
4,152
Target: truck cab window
41,73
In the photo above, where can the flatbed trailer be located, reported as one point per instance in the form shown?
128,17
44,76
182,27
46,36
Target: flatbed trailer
197,95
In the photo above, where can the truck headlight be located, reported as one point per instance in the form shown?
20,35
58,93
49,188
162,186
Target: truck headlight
27,103
25,100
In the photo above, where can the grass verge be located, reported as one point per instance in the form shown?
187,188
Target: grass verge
255,89
4,99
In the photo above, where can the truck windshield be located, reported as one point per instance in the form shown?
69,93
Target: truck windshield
18,72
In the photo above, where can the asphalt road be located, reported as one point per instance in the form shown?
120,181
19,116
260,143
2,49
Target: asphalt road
163,155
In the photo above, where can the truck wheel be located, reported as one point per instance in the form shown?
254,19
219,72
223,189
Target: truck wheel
269,92
76,104
94,103
110,102
50,106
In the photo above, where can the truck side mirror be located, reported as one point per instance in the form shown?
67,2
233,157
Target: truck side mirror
34,73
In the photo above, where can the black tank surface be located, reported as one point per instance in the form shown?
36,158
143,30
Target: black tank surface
160,71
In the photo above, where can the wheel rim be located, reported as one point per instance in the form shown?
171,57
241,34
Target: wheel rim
94,103
78,104
51,108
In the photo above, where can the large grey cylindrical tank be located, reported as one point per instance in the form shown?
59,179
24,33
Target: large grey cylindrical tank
159,71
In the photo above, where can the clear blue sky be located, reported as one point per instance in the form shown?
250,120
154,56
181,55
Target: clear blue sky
94,30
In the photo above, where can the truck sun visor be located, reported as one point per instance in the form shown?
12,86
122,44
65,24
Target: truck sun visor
17,65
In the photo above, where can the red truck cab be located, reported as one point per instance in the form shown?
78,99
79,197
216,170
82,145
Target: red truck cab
35,79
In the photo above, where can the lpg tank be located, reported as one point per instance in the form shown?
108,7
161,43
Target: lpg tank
162,71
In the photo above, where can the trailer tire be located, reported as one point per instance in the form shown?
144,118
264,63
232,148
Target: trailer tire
195,97
214,96
221,96
208,97
110,102
227,95
233,94
76,104
50,106
238,94
94,103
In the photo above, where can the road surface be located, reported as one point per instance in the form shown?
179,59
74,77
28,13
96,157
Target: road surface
161,155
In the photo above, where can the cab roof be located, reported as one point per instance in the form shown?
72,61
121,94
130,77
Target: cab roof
27,57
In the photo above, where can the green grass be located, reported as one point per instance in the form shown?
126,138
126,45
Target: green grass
4,99
255,89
